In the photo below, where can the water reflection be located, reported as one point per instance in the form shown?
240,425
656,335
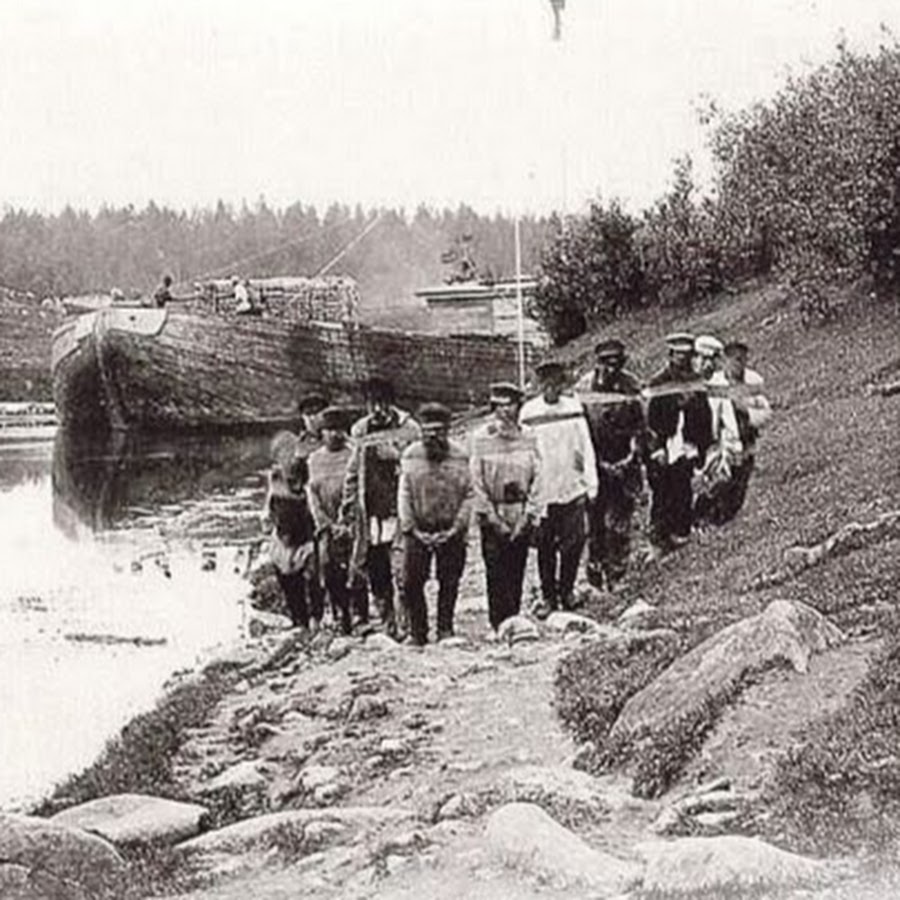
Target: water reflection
117,480
107,589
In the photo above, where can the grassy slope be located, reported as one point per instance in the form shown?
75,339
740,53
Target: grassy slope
827,458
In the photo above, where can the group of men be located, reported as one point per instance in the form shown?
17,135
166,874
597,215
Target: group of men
363,503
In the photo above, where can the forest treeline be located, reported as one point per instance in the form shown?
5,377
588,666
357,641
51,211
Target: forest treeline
806,190
77,252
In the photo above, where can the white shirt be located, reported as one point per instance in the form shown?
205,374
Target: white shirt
242,295
568,467
757,406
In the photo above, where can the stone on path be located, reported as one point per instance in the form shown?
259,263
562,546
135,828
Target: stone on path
378,640
61,863
525,838
272,829
569,621
260,623
365,706
560,789
785,631
517,630
455,642
638,610
135,819
243,776
719,866
313,777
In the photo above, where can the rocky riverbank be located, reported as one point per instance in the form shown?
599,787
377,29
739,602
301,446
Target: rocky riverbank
356,767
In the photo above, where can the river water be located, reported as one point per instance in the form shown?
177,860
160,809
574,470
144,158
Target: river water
122,563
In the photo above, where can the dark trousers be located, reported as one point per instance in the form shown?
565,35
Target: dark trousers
380,569
451,559
345,599
504,565
671,507
315,590
609,527
294,588
561,539
725,500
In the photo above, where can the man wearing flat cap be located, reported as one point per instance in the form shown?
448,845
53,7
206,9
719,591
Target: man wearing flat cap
370,499
751,411
568,482
505,470
612,403
679,430
334,538
434,505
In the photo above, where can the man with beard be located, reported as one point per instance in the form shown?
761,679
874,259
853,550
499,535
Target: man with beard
505,472
370,500
568,483
679,426
434,504
612,403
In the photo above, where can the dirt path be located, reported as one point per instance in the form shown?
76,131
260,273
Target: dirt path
398,728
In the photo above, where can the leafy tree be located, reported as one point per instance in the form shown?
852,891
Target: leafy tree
590,272
679,244
810,179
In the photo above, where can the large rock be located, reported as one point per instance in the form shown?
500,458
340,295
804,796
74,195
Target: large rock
524,837
722,866
135,819
784,632
61,863
274,829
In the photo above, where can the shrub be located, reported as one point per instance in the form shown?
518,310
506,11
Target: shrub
593,683
680,252
810,179
590,272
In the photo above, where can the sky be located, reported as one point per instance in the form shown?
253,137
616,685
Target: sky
386,102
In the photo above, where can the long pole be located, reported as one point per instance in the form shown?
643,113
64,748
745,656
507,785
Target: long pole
520,306
349,246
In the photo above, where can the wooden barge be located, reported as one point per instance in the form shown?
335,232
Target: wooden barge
195,368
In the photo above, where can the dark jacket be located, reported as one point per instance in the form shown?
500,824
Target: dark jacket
662,413
614,426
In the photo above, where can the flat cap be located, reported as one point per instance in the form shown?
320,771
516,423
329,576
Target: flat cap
434,414
708,345
336,418
550,368
611,348
505,392
312,403
682,341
